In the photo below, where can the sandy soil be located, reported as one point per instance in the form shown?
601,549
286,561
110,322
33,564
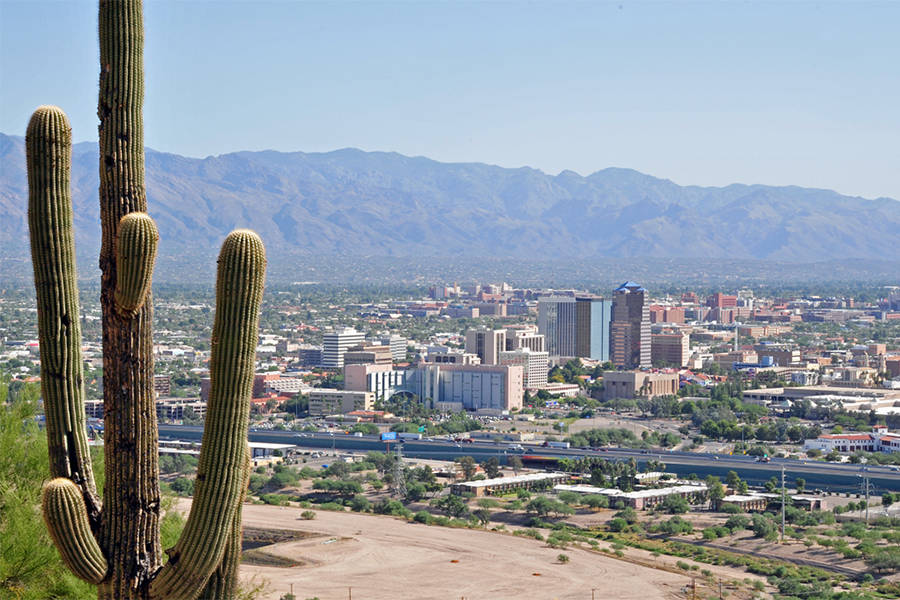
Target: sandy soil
385,558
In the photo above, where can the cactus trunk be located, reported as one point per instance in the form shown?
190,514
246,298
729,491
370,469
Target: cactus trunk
130,523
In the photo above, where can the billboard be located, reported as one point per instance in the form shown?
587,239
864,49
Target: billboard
390,435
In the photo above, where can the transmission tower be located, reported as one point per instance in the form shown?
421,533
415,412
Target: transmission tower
399,483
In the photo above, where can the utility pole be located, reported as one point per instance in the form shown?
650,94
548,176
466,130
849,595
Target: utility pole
867,487
783,501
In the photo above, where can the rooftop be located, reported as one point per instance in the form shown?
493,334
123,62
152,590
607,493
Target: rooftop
515,479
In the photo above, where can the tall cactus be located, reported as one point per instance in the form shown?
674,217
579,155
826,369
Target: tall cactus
118,547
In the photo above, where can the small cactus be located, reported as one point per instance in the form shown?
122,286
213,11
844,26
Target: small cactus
136,243
66,517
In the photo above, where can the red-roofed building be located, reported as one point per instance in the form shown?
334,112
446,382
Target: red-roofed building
877,441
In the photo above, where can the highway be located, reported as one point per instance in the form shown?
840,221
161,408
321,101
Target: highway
831,477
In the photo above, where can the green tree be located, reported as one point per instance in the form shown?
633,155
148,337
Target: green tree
453,506
675,504
716,489
491,467
30,567
468,466
515,463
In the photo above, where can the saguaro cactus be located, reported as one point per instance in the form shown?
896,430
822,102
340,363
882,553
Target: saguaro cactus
118,547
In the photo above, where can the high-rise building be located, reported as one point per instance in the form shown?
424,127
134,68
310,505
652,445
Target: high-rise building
575,326
630,327
592,317
670,349
335,345
556,322
534,365
486,343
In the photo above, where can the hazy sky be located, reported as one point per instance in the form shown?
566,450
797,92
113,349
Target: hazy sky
707,93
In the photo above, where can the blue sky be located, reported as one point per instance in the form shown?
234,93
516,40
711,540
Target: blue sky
706,93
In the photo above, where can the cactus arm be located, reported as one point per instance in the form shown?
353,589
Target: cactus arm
136,243
48,144
221,476
223,583
67,520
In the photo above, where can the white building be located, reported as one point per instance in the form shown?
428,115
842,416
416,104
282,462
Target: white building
397,345
382,380
880,440
335,345
487,389
534,364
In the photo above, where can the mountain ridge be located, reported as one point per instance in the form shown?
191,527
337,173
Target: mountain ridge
352,202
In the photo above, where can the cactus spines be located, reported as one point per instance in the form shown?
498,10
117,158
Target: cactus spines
48,143
66,517
222,469
136,243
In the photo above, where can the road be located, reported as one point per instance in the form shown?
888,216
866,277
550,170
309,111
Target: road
833,477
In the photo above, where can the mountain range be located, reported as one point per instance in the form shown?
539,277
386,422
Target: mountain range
354,203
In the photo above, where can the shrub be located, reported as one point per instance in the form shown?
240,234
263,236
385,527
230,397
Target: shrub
360,503
618,524
276,499
423,516
562,558
308,515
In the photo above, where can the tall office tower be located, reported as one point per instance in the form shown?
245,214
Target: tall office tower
335,345
592,317
630,327
486,343
556,322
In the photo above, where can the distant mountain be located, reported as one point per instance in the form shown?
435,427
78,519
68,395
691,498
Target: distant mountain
354,203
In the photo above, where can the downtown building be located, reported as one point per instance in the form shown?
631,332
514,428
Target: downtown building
486,344
335,345
630,327
576,326
484,389
535,365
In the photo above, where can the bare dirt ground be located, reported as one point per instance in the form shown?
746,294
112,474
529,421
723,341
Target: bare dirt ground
385,558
